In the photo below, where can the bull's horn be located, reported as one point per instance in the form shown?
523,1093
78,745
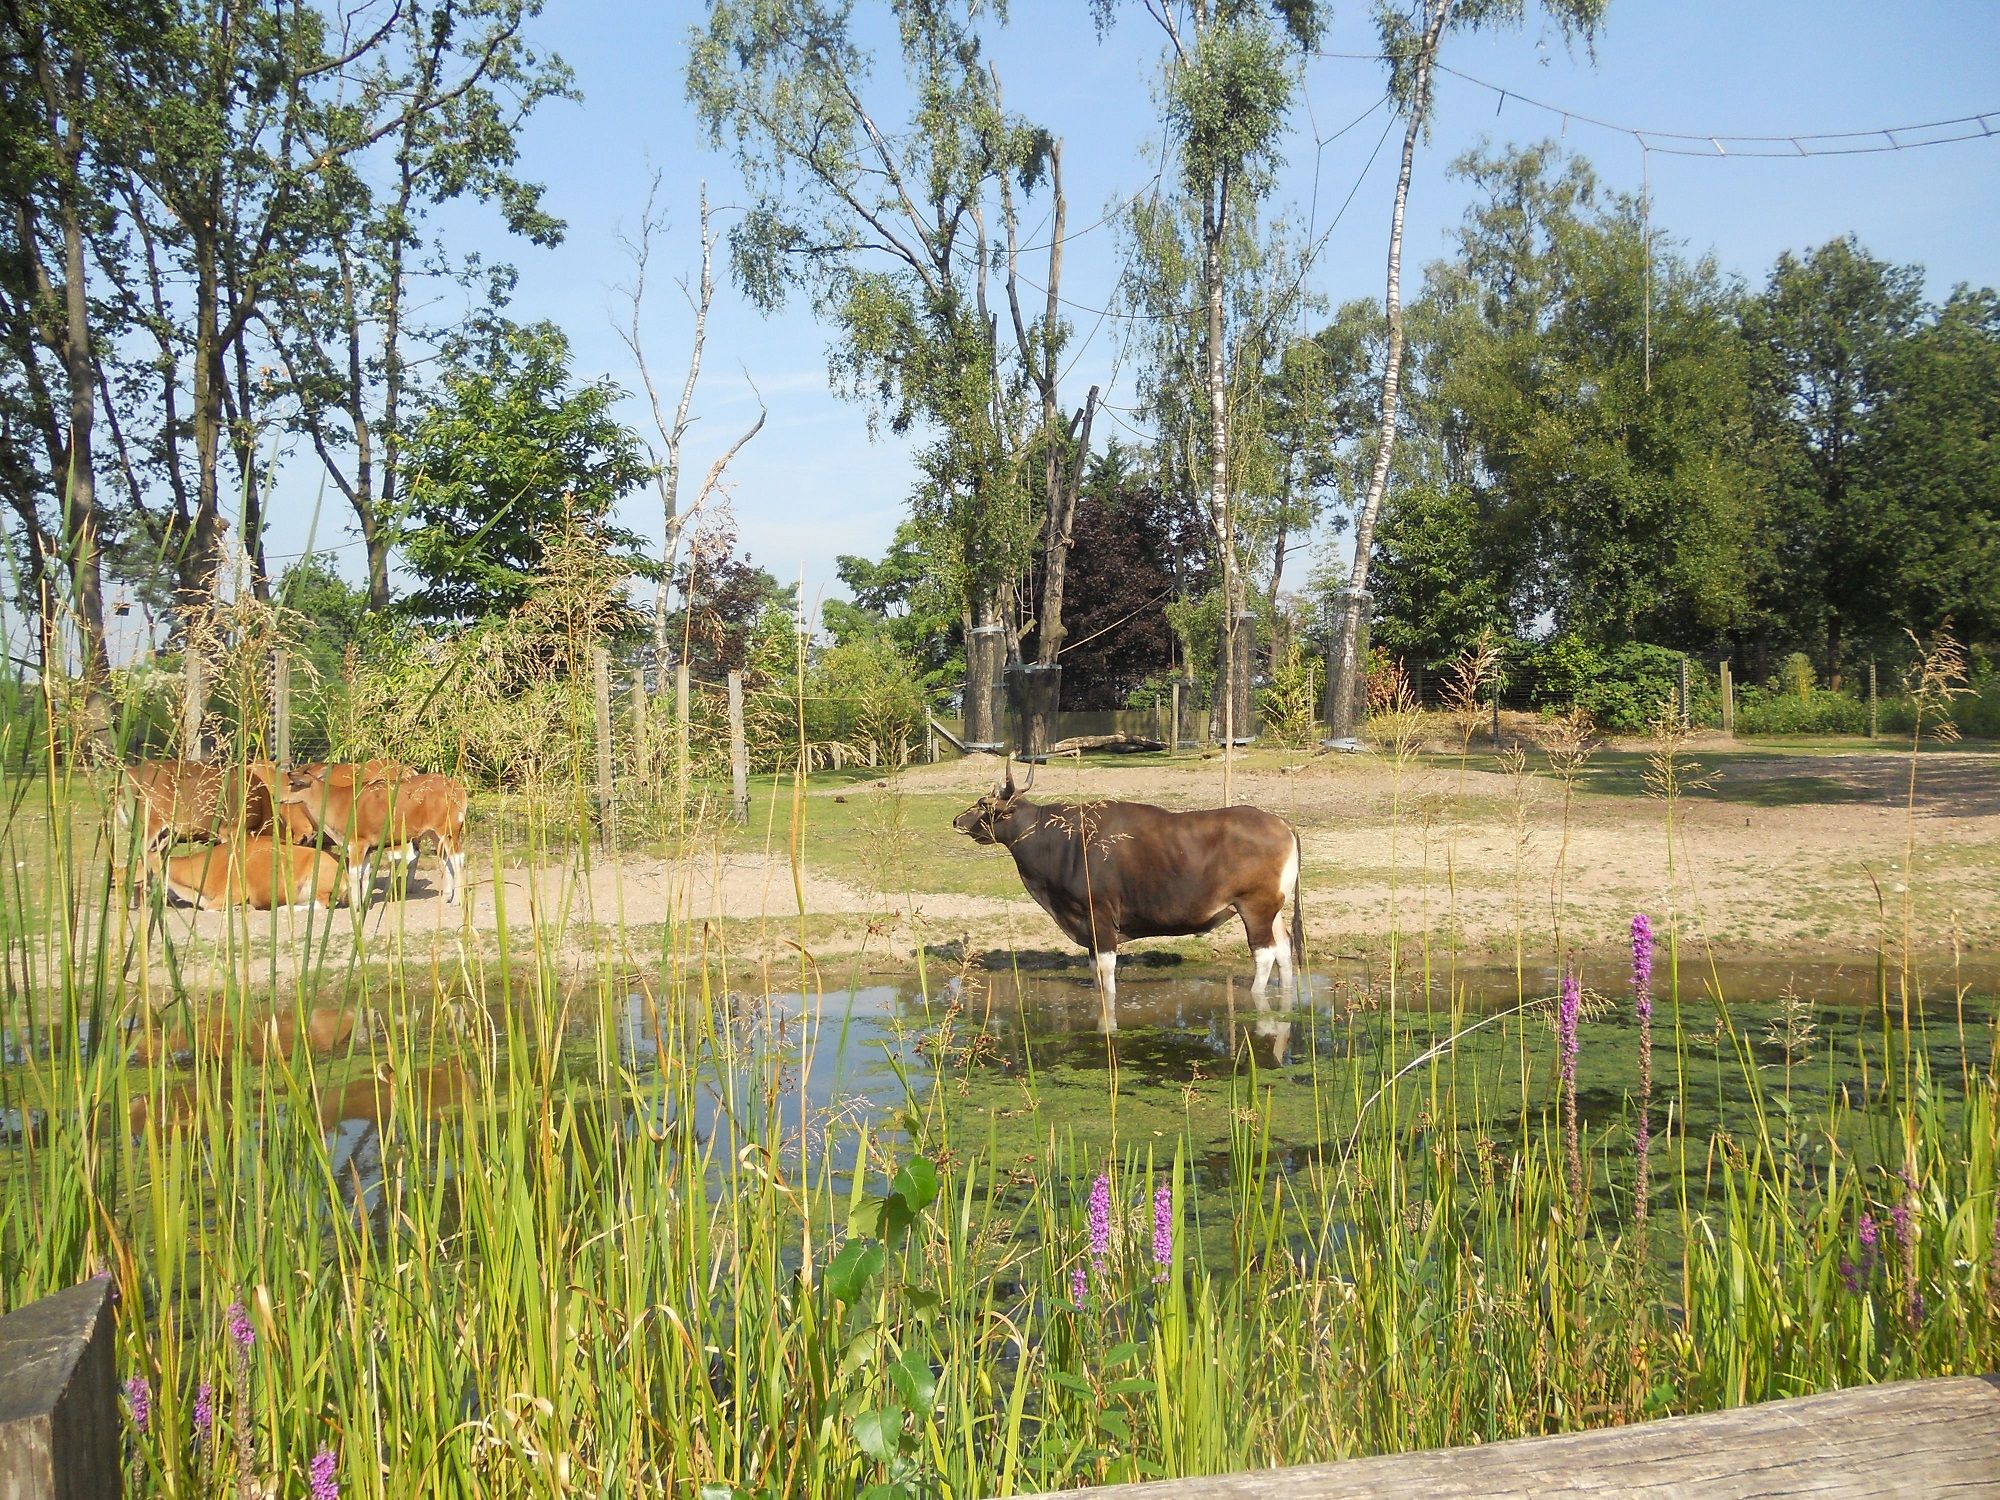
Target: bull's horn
1028,785
1003,784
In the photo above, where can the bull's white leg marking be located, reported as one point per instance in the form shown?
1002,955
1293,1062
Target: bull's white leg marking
1265,958
454,872
1107,989
358,883
1288,885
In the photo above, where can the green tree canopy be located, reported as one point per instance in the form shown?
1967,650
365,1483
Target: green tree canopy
507,446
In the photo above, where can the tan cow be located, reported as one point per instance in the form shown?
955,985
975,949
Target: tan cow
299,823
259,873
185,798
378,815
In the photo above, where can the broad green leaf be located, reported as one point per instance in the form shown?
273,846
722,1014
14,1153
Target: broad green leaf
879,1432
856,1264
913,1379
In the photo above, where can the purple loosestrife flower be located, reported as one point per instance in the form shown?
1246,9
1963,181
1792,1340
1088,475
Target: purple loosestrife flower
1567,1011
1642,964
1899,1216
1163,1227
1100,1222
139,1396
1869,1234
324,1485
1079,1285
1642,1009
204,1412
241,1329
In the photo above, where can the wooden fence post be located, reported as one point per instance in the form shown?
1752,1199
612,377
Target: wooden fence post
739,753
1728,692
1173,734
194,703
1686,708
642,738
59,1432
281,709
681,732
600,684
1496,714
1874,704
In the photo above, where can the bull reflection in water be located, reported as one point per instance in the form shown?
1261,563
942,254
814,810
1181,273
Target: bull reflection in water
1108,872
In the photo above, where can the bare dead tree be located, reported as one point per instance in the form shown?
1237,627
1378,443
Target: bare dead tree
667,468
1040,346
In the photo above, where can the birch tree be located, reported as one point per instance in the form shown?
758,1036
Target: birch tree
1411,39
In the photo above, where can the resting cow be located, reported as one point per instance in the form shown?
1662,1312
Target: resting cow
378,815
1150,873
260,873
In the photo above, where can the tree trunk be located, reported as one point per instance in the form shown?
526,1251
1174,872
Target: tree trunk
1215,224
1343,670
985,656
1049,631
201,569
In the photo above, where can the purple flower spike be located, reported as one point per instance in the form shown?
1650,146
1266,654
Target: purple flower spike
1899,1216
1567,1012
1163,1227
324,1485
1642,964
1642,1010
139,1396
1100,1222
241,1328
1869,1233
204,1412
1079,1285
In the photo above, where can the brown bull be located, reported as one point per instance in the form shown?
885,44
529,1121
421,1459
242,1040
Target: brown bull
1150,873
382,814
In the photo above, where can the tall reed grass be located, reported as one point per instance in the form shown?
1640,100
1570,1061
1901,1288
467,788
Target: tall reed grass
521,1235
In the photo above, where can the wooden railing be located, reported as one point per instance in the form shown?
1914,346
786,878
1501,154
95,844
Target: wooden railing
1915,1437
59,1437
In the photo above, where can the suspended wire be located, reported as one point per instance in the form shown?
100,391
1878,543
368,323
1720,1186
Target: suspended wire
1722,144
1306,261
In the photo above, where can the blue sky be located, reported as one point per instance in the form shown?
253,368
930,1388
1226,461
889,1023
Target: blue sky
815,484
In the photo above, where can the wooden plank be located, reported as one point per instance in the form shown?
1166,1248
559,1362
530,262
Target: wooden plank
194,703
59,1437
1913,1437
281,709
600,689
948,737
739,753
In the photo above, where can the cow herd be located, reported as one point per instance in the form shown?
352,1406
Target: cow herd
273,838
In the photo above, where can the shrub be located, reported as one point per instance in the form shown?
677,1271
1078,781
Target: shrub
1796,676
1290,705
876,700
1621,687
1783,710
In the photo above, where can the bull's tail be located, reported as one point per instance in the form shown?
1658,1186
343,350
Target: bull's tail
1298,909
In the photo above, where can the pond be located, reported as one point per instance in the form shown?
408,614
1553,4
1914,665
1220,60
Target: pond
1004,1058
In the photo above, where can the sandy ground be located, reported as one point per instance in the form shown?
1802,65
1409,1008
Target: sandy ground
1779,854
